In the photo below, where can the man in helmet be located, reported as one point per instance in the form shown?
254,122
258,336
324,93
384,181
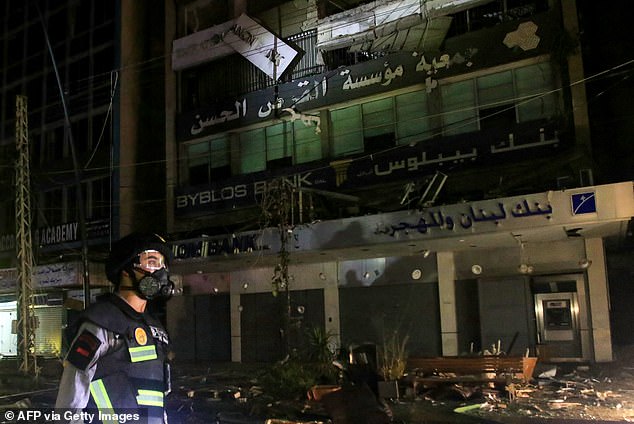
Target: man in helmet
118,360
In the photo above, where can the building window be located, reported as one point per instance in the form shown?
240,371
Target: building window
71,212
279,145
99,130
413,123
208,160
307,142
220,158
61,204
7,214
51,208
500,100
496,101
346,131
252,151
98,198
267,148
536,99
81,136
198,163
52,145
378,125
495,89
459,114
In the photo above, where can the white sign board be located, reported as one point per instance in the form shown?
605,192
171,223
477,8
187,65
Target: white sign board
243,35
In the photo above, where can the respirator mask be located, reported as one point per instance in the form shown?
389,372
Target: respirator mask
154,282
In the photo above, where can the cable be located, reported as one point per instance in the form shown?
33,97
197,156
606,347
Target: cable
594,77
512,103
80,197
105,121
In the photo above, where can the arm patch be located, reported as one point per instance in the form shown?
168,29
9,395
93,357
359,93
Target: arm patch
83,350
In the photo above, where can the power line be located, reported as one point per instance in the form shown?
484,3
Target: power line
513,102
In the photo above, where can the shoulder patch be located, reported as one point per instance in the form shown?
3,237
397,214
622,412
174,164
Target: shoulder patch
83,350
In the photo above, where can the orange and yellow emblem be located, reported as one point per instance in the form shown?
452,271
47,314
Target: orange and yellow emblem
141,336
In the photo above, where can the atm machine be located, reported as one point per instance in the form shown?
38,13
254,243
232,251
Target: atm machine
559,320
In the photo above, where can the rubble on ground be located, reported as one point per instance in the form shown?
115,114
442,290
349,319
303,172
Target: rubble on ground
229,393
577,394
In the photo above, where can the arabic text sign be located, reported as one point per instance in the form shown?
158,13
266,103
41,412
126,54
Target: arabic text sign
469,217
396,71
405,163
52,275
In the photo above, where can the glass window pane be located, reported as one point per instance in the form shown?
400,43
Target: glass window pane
495,88
459,113
307,142
72,204
412,120
198,153
541,107
279,140
198,162
536,81
378,118
252,151
533,79
347,134
219,153
7,211
52,207
100,198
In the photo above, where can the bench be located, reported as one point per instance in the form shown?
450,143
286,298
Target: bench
464,369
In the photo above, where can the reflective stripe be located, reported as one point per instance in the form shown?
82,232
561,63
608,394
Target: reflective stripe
102,400
142,353
150,398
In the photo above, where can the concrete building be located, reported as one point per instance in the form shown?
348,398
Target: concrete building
94,87
436,156
440,165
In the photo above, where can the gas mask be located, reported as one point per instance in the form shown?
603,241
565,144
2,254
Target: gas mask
153,285
154,281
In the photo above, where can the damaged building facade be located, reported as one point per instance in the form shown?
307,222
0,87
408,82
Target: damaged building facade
439,156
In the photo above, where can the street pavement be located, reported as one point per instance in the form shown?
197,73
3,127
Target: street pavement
228,394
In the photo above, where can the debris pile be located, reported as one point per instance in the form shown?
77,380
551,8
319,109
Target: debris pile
573,395
231,393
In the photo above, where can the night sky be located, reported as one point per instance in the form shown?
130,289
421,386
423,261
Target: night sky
608,44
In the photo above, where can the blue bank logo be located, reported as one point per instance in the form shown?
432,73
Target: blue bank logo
583,203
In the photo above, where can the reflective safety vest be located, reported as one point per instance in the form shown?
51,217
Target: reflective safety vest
131,378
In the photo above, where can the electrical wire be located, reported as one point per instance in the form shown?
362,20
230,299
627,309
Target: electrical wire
105,121
139,67
512,103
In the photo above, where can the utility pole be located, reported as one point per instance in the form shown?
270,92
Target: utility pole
24,246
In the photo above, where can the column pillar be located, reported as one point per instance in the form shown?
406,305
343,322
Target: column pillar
236,329
599,298
447,302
